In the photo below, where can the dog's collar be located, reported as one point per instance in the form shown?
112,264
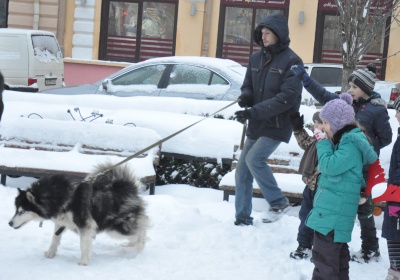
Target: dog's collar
59,231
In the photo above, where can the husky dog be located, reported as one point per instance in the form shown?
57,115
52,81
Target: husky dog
110,203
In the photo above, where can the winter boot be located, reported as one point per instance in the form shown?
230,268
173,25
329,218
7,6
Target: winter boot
240,223
366,255
301,253
393,274
275,212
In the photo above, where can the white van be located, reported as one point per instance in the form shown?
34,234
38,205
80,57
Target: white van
30,60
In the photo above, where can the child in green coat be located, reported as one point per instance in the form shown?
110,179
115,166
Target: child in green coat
342,151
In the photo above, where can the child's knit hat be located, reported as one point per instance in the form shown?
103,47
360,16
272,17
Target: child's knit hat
364,79
396,104
338,112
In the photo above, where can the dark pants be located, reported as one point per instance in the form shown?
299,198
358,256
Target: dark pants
305,234
394,254
369,241
331,259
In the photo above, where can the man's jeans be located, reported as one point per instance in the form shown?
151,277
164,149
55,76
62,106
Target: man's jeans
253,164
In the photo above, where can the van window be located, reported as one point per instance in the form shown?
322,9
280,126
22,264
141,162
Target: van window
46,48
327,76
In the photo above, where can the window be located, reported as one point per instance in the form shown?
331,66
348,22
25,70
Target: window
218,80
149,75
46,48
190,74
3,13
122,18
329,49
327,76
136,30
239,24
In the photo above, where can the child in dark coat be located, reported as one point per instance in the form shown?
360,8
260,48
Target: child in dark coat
391,226
309,170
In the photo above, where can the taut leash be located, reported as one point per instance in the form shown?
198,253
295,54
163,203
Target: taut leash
243,133
92,178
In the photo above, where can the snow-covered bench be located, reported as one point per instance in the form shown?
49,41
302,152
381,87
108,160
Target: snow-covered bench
291,185
39,147
281,163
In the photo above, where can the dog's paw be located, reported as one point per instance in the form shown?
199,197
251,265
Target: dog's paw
127,244
50,254
83,261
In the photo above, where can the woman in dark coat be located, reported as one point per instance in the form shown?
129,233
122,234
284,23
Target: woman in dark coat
391,226
1,95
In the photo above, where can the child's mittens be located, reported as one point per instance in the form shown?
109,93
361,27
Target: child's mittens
393,210
319,134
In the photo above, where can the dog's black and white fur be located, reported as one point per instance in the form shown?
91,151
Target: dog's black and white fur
111,204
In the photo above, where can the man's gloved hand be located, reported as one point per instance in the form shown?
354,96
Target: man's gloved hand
319,134
297,121
394,210
243,101
301,73
242,116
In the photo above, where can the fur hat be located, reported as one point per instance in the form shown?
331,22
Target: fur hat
364,79
338,112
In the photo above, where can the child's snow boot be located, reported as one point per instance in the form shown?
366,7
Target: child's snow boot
302,252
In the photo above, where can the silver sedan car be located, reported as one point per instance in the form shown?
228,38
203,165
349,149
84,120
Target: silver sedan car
176,76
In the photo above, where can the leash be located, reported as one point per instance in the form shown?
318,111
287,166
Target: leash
243,133
92,178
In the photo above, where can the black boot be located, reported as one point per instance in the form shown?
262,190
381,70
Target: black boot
301,253
366,255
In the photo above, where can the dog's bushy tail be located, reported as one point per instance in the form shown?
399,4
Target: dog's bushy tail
120,172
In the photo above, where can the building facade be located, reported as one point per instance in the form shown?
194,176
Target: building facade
135,30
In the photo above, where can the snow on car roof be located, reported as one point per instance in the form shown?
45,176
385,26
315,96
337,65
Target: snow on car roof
235,70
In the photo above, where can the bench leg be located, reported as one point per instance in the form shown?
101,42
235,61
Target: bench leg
226,196
3,179
152,187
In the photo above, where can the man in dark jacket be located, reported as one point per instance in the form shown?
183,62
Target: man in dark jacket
273,93
1,95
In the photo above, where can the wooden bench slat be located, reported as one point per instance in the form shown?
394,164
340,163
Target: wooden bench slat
87,144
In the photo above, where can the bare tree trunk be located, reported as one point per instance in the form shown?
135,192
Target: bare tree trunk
361,27
346,73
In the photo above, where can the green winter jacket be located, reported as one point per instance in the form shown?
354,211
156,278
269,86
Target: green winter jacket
336,199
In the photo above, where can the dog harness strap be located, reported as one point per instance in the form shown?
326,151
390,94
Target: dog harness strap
59,231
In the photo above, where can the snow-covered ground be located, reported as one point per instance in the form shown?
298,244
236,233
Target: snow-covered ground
192,234
192,237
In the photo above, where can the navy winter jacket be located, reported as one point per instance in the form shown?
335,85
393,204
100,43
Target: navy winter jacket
1,95
372,114
390,224
273,89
